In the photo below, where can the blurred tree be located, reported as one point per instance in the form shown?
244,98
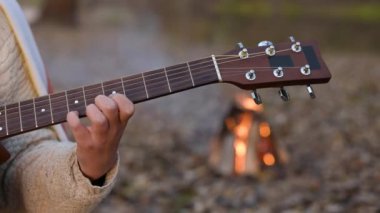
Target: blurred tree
61,11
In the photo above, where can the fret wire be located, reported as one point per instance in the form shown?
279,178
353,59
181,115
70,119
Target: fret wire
172,74
66,97
228,57
216,67
137,93
6,118
35,114
67,102
191,75
147,95
51,111
133,96
19,113
219,63
113,86
102,87
131,89
84,97
167,79
122,84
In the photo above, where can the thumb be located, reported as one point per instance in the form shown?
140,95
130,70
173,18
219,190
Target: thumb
80,132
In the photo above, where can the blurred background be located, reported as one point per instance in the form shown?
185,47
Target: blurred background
181,153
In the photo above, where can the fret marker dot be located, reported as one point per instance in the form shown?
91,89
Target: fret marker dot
76,102
1,128
43,110
113,92
1,113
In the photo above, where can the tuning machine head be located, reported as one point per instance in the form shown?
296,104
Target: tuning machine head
243,53
296,45
256,97
270,50
264,44
284,94
311,92
305,70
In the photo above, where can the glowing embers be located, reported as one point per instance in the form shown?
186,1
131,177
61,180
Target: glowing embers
245,144
269,159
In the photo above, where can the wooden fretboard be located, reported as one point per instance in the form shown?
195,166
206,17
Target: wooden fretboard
52,109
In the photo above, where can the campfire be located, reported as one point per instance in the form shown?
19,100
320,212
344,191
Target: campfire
245,144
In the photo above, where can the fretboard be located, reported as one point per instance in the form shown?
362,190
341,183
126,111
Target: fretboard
52,109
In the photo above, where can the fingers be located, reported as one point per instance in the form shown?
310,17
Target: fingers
79,131
109,108
99,122
126,107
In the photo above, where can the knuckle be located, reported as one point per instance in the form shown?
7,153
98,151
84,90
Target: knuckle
111,106
108,105
101,122
129,109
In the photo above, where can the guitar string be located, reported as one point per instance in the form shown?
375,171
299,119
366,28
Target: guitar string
31,114
179,68
152,86
202,76
253,55
131,94
186,70
47,115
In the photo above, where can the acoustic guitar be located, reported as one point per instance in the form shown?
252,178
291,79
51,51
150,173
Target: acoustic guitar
268,65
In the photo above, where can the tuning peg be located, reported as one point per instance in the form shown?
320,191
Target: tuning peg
296,46
243,53
283,94
292,39
311,91
264,43
256,97
240,45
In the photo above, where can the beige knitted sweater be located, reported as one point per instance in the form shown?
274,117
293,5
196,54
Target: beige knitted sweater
42,174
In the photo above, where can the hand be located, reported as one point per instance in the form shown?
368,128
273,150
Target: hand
97,144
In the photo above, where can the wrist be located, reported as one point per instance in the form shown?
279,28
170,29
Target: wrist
96,170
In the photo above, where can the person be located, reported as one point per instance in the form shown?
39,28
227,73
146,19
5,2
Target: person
44,175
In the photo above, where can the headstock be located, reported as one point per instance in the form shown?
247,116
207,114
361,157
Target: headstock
274,65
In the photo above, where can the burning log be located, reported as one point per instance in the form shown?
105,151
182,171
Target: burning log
245,144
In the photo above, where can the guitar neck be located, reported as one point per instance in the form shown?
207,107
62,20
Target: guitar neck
290,64
52,109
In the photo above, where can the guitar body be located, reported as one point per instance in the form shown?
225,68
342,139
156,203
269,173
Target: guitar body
4,154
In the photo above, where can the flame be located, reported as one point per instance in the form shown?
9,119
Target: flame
240,148
241,131
269,159
248,103
240,152
264,130
240,144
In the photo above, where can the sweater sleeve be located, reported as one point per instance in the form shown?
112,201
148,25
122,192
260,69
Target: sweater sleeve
47,178
42,175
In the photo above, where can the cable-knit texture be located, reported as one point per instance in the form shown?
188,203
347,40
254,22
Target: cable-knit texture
42,175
